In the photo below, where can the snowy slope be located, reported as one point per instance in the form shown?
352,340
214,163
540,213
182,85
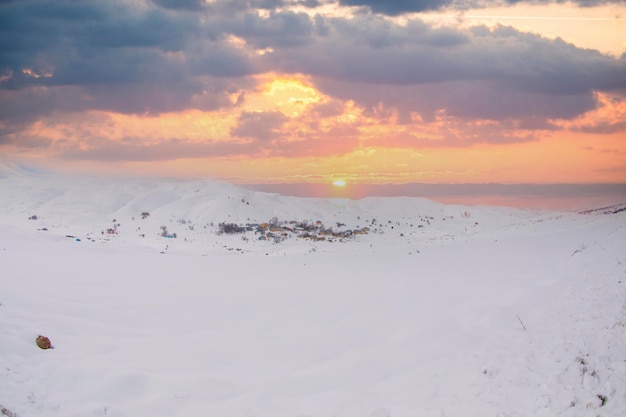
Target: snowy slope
479,312
88,206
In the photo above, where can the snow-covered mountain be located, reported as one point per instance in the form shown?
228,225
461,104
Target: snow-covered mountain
423,309
89,206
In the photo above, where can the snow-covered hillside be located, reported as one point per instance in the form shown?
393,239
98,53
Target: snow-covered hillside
434,310
137,211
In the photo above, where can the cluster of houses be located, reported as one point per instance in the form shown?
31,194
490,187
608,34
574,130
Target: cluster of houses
112,230
302,230
274,230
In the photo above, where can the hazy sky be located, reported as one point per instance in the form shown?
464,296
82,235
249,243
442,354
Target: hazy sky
368,91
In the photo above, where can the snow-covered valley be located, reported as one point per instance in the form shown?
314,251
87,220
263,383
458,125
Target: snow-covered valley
435,310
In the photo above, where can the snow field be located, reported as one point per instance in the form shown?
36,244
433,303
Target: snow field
430,323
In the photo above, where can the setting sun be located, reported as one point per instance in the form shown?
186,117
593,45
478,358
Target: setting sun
339,183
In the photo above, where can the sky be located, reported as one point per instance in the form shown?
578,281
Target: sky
316,91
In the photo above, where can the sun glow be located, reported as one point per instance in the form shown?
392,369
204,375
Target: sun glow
339,183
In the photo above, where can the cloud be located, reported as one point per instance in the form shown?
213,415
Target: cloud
93,43
400,7
328,109
162,56
500,73
372,50
602,127
583,3
256,134
450,132
205,93
115,42
89,42
284,29
136,150
335,142
262,126
181,4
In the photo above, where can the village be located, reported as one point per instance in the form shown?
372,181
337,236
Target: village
274,230
277,231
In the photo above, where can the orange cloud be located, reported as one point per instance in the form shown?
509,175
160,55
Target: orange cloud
286,130
609,117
